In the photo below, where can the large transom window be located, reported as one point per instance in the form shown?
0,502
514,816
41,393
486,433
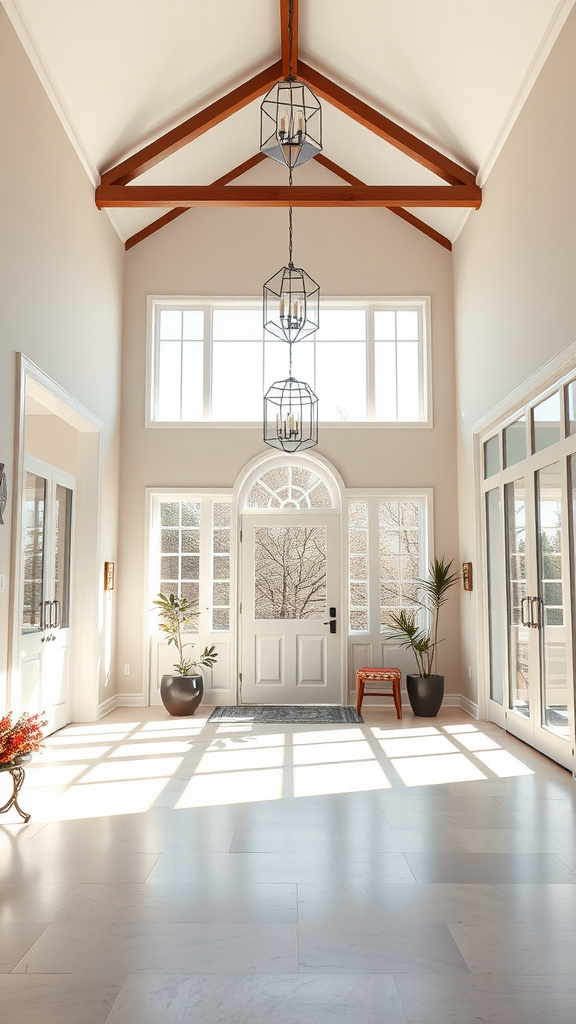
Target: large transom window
211,362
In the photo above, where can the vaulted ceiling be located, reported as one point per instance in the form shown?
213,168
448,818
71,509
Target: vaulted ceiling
121,73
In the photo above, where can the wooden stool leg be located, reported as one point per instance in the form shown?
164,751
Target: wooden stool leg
359,693
397,698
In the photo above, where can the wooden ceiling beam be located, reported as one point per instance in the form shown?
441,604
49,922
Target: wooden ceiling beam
286,195
167,218
191,129
285,35
376,122
397,210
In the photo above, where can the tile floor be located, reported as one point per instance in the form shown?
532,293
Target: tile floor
179,872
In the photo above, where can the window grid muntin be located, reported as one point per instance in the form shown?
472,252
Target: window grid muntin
358,539
408,549
289,494
418,304
180,523
221,574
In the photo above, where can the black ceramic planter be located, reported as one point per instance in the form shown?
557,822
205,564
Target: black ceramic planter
425,694
181,695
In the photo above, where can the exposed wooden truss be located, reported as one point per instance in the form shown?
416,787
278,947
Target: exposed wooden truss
460,191
167,218
192,128
285,35
403,140
288,195
408,217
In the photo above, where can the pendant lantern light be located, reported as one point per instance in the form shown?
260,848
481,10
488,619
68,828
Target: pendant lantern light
290,117
290,414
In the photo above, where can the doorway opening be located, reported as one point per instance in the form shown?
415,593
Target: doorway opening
55,596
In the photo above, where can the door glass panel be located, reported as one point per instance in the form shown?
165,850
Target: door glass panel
495,602
553,622
546,422
571,411
515,442
62,552
34,523
492,456
518,634
290,572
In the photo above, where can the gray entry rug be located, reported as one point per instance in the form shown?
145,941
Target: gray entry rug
279,713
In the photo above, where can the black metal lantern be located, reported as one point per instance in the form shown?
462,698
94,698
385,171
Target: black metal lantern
290,415
290,116
291,123
291,303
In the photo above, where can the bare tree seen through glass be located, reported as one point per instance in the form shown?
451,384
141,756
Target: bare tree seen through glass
290,572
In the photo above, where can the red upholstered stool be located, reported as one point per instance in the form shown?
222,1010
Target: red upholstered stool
384,675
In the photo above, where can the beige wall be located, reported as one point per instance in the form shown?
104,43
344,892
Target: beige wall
53,441
231,252
515,274
60,281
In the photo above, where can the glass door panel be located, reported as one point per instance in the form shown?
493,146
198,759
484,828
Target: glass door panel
548,608
495,591
62,554
518,603
34,543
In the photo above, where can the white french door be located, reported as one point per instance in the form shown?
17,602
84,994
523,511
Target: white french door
290,615
46,611
529,520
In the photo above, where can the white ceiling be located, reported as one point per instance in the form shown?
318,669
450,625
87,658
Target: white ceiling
121,72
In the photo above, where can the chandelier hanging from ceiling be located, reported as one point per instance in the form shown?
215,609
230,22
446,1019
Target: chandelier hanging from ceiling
290,117
290,414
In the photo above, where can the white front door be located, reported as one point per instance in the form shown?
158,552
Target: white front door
290,651
46,627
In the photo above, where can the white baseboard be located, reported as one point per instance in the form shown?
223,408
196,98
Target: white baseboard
131,700
451,700
107,706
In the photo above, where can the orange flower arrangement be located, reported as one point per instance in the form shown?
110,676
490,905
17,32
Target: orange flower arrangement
21,737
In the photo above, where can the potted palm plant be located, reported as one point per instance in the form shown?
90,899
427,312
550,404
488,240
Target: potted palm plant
425,688
181,692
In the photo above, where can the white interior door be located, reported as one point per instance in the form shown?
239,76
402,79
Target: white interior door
290,634
46,630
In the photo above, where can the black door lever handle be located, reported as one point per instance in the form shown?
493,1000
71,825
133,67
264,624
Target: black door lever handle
332,624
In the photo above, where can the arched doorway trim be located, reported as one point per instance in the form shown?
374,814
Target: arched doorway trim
324,488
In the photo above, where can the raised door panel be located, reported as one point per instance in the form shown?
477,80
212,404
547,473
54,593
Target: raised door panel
311,661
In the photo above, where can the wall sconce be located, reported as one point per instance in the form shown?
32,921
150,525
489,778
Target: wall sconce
467,575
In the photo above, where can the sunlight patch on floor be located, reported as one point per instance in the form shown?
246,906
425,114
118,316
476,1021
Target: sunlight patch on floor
503,763
325,779
232,788
436,770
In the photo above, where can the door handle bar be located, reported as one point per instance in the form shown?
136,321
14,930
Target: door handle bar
526,603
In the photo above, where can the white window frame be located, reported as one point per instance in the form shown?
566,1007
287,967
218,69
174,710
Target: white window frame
373,496
371,304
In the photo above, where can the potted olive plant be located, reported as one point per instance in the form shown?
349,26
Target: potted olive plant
182,692
426,687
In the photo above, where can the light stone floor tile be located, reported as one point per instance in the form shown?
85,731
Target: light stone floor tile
29,903
16,938
407,904
540,902
370,947
258,999
79,866
132,948
517,948
204,902
306,866
58,998
442,884
487,999
489,867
